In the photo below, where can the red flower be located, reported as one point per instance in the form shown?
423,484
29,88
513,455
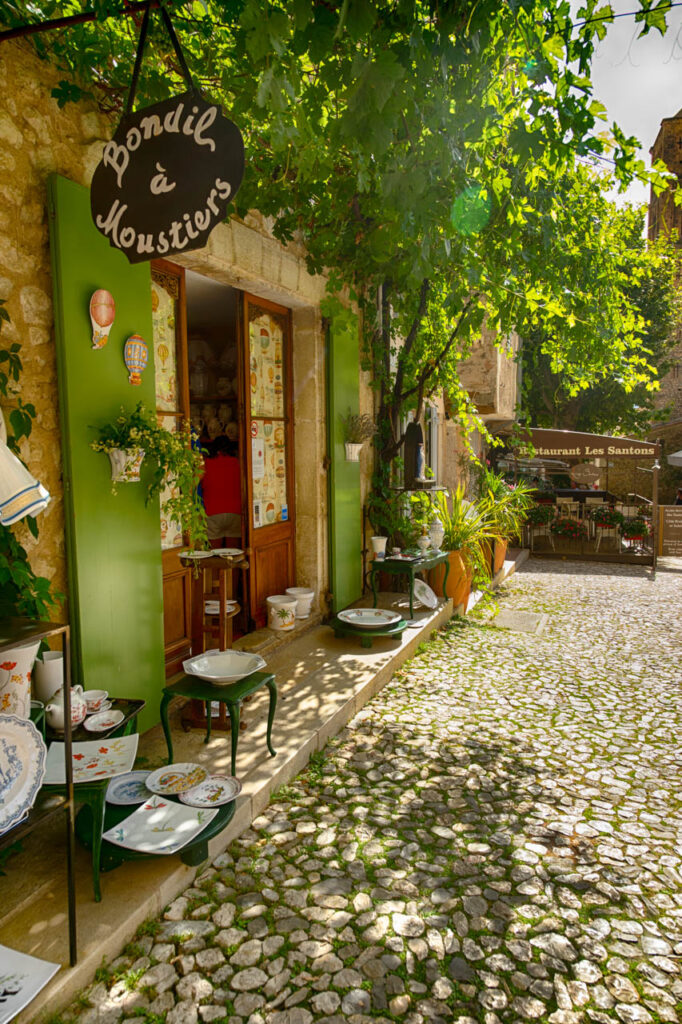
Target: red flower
78,757
8,665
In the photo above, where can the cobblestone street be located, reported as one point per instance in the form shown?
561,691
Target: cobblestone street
495,837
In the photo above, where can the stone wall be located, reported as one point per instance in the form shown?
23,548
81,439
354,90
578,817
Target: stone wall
489,374
37,139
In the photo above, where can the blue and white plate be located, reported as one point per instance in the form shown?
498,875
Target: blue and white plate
22,768
129,789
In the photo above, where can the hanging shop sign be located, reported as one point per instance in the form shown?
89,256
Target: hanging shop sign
167,176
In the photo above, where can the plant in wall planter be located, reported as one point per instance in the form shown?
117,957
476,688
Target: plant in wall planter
356,430
136,438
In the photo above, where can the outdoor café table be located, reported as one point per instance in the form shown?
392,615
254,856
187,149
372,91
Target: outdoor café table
232,695
408,567
93,794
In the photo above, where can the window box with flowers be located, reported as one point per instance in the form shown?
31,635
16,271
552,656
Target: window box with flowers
568,533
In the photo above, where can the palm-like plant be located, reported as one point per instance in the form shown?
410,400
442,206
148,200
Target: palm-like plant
467,527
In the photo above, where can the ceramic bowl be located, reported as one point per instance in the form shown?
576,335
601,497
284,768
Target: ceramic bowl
94,699
223,667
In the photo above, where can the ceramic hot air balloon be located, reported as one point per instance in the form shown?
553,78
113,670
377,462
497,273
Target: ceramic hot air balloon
135,357
102,313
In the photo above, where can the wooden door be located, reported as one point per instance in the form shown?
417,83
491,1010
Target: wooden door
169,318
268,446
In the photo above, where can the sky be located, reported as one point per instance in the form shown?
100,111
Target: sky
639,81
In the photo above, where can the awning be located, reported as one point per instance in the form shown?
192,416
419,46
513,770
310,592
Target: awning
675,459
571,444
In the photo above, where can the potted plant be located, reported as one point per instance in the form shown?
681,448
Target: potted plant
466,527
505,504
635,529
357,428
605,518
568,530
176,466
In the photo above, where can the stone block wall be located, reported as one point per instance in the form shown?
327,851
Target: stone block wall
489,374
37,139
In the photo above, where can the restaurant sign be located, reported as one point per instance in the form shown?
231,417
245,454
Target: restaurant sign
574,444
166,178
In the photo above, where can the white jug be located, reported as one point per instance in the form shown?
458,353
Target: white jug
48,675
54,712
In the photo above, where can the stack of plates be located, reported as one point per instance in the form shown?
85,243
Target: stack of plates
213,607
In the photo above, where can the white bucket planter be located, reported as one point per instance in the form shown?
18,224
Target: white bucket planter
379,546
125,465
281,612
304,599
353,451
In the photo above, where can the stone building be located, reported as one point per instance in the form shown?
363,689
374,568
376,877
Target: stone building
665,218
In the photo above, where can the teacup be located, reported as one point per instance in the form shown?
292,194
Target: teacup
94,699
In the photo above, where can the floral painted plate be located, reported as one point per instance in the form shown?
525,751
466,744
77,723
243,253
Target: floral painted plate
159,826
212,792
129,789
176,778
196,554
369,618
102,721
92,760
424,594
22,768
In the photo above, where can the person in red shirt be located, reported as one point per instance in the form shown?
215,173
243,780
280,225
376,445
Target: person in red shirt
221,491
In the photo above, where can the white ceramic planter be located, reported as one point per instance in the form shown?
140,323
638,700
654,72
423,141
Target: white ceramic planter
379,546
48,675
304,599
125,466
281,612
353,452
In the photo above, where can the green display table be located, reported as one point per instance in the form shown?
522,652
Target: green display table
232,696
403,567
112,856
366,636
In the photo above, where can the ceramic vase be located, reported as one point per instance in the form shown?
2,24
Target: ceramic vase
48,675
436,534
15,680
379,547
125,465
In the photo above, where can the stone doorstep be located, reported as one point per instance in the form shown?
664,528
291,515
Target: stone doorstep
139,890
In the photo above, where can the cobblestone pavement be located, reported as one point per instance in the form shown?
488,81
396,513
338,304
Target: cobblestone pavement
495,838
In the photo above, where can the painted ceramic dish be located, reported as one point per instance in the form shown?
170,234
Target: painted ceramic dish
160,826
424,594
103,721
212,792
22,768
369,618
129,789
227,552
92,760
196,554
220,668
175,778
21,979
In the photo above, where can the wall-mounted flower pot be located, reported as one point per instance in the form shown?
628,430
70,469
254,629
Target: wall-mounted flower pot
353,451
125,465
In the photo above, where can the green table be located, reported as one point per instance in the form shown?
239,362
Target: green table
405,567
232,696
366,636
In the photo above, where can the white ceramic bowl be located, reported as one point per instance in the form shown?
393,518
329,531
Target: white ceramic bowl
223,667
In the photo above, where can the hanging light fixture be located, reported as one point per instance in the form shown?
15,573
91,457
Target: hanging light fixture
20,493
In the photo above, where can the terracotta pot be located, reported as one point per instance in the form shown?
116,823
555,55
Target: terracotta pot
500,554
487,552
459,579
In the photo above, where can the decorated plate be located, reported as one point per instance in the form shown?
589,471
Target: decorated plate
369,618
196,554
104,706
92,760
103,721
22,768
159,826
424,594
126,790
176,778
212,792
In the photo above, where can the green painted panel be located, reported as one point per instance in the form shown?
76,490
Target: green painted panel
345,519
113,541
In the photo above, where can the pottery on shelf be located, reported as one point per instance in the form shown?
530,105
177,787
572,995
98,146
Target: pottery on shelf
48,675
54,712
15,680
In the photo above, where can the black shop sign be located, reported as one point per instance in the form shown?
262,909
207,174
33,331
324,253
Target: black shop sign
166,178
